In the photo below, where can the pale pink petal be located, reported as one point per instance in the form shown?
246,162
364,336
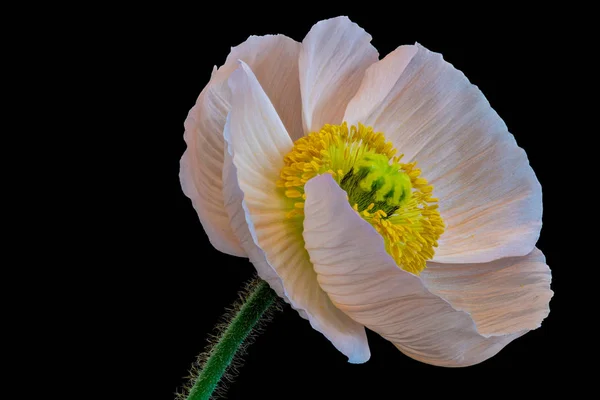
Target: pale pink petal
503,296
490,198
201,168
363,281
237,218
335,54
275,60
258,142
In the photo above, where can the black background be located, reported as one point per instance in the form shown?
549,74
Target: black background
177,286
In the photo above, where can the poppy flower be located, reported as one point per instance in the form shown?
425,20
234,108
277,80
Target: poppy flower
385,194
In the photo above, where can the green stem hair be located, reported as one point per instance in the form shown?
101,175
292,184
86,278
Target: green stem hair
255,305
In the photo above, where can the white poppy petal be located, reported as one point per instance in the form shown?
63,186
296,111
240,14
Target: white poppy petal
200,171
277,72
258,142
490,198
237,218
335,54
503,296
275,60
363,281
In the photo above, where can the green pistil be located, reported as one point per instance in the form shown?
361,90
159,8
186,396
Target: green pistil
374,180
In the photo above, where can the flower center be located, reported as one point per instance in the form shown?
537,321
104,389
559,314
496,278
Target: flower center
373,184
387,193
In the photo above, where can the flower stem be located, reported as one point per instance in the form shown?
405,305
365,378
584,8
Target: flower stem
259,299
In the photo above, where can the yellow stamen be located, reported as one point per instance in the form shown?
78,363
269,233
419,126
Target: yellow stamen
389,194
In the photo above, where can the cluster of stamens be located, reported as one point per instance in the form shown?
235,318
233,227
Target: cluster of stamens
387,193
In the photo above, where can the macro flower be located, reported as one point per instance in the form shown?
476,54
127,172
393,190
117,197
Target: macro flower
385,194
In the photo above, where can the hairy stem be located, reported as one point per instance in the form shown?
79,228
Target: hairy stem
258,301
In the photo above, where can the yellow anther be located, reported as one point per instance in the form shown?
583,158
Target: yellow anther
293,193
294,213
